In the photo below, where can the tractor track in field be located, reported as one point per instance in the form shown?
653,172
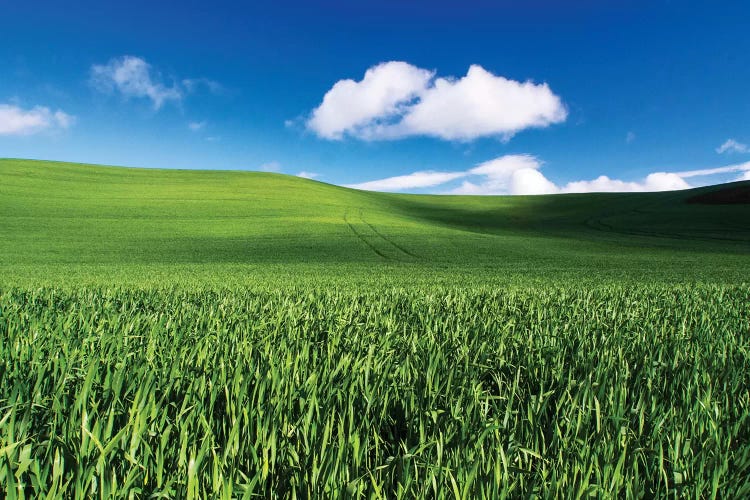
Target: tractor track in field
387,239
373,233
364,240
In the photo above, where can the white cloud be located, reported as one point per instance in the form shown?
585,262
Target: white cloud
515,174
521,182
15,120
745,176
504,166
521,174
528,181
741,167
658,181
410,181
196,126
480,105
732,146
307,175
665,181
358,107
629,137
396,100
133,77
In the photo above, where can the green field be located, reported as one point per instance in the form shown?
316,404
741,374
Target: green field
104,225
172,333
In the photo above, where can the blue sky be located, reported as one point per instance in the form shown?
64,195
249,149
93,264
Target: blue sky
474,97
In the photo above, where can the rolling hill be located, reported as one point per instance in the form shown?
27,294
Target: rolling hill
204,334
57,217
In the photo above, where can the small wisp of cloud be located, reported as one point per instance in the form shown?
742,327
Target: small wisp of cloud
732,146
196,126
414,180
15,120
133,77
307,175
741,167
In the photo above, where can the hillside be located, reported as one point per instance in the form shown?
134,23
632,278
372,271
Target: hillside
65,216
201,334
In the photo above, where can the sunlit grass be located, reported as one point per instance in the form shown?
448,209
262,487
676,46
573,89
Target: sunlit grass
429,392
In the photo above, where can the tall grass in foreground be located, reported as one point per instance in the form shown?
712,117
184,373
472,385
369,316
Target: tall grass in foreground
555,391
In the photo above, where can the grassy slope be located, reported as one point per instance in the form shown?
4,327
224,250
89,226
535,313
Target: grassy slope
96,221
612,391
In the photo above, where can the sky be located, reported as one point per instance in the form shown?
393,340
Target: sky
471,97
